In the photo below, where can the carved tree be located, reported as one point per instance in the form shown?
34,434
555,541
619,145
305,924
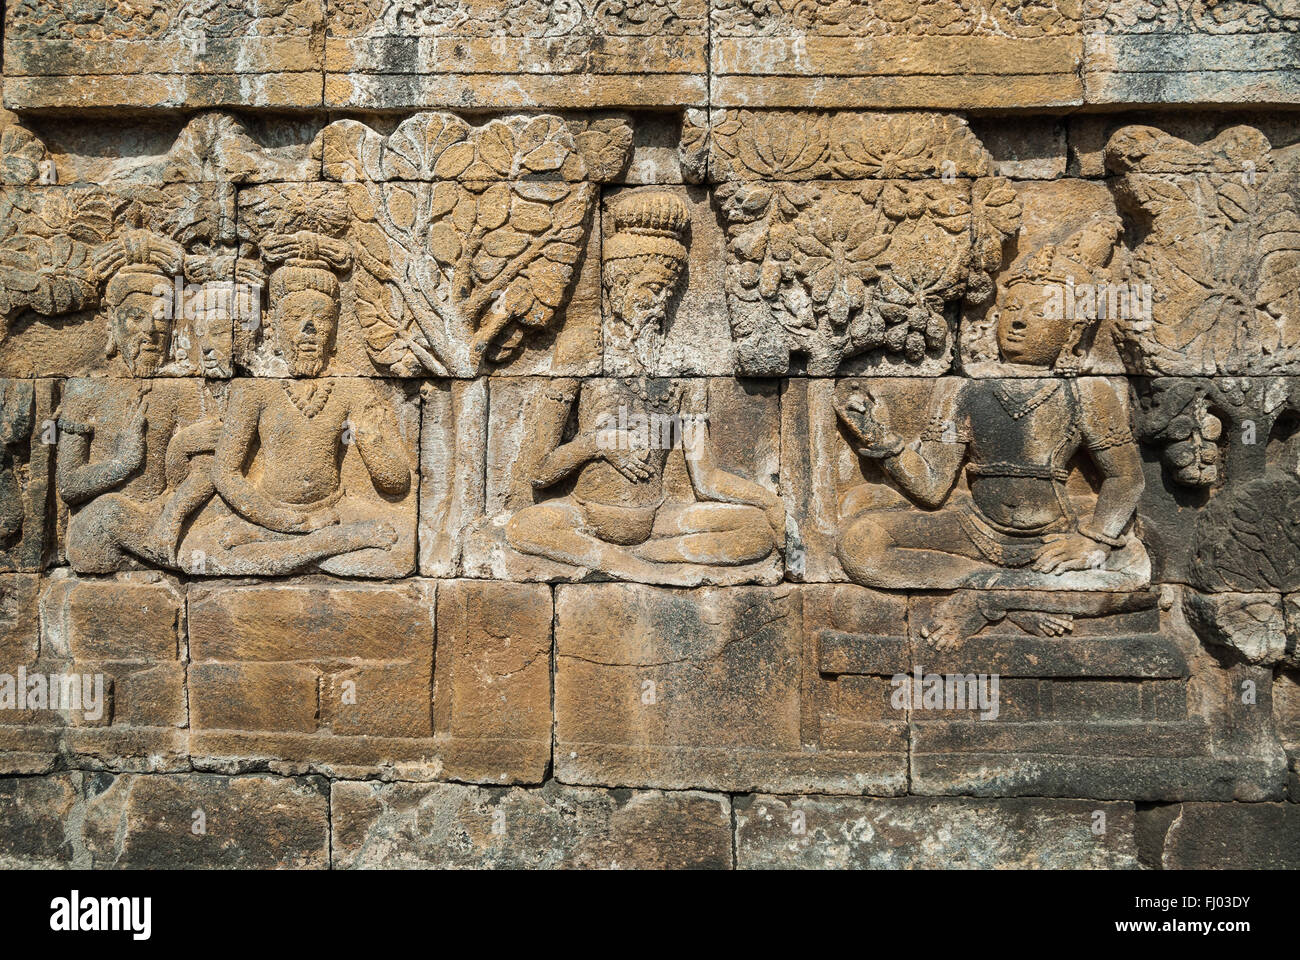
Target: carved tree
837,269
1220,248
465,238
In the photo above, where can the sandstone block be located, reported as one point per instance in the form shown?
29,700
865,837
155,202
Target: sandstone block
514,54
788,54
1232,836
915,833
197,821
456,826
102,56
715,688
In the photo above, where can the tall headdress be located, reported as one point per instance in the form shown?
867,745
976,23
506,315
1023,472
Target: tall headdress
648,224
1082,258
137,261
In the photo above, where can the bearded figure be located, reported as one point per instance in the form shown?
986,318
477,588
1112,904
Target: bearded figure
643,262
141,268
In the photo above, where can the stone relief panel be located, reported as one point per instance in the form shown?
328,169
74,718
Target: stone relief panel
1220,246
1230,52
27,437
467,240
871,53
1011,483
1221,472
264,477
631,477
1183,264
140,275
441,247
1066,279
851,237
176,53
384,54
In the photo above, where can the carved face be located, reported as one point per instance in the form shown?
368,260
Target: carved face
305,321
639,289
1029,331
141,333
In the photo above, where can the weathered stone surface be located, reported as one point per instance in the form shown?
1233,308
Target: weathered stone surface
454,826
266,477
1122,695
312,672
198,821
104,684
516,53
492,689
27,437
990,494
1253,624
1220,240
1233,836
193,821
984,54
1218,477
713,689
102,54
1199,52
1067,259
668,481
915,833
806,253
340,678
488,265
600,401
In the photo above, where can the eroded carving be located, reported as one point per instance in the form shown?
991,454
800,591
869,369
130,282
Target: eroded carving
466,238
616,520
1220,247
1016,521
27,438
1227,476
518,18
870,268
1016,18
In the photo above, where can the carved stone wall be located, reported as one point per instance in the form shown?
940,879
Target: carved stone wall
669,433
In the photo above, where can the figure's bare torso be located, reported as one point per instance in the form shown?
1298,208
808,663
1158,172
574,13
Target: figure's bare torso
1016,465
106,406
301,455
599,405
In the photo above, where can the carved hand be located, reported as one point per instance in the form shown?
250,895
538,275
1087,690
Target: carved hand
131,441
615,446
858,414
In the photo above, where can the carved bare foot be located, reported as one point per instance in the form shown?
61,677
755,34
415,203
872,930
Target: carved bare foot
1042,624
954,620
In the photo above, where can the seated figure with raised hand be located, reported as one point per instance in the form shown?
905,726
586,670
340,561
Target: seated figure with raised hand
617,518
1015,524
134,455
279,463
